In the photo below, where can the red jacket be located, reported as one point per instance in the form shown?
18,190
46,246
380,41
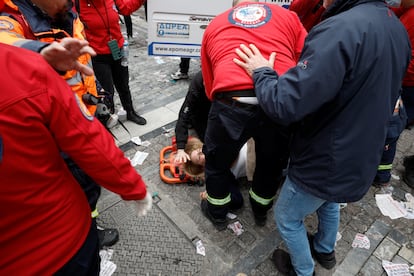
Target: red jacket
101,20
309,11
44,213
24,25
271,27
406,16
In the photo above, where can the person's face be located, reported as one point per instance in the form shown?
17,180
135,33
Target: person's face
197,157
53,8
327,3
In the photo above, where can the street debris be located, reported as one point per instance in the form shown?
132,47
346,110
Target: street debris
167,130
396,177
393,269
107,267
236,227
138,158
136,140
159,60
338,237
361,241
200,249
395,209
231,216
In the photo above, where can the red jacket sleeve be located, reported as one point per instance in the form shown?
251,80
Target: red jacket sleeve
91,146
126,7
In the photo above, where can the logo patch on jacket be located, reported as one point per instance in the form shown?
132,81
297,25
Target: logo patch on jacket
303,64
250,15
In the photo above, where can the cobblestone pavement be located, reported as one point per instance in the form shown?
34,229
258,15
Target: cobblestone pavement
162,243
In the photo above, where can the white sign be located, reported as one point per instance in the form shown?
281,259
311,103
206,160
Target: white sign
176,27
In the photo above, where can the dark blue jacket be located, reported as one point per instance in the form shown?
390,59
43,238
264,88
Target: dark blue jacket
339,98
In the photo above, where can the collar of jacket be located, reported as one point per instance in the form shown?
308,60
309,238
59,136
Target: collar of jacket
339,6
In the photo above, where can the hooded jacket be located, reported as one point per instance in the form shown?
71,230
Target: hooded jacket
339,97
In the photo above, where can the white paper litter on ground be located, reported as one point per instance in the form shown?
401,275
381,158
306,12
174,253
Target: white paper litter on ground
200,249
107,267
409,205
159,60
338,237
390,207
393,269
236,227
231,215
396,177
361,241
136,140
139,158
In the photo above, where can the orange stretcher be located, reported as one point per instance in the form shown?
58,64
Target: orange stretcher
172,173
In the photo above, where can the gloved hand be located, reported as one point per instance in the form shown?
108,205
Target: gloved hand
181,157
142,206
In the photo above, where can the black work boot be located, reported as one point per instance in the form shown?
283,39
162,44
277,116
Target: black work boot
219,224
259,212
408,161
408,175
283,263
134,117
107,237
327,260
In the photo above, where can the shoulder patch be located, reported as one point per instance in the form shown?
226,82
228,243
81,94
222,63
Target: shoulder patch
250,15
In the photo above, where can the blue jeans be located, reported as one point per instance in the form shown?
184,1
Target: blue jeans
291,208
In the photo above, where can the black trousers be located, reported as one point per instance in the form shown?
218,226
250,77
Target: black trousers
128,25
228,129
184,65
86,261
89,186
110,73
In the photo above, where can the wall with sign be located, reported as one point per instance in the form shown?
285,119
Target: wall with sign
176,27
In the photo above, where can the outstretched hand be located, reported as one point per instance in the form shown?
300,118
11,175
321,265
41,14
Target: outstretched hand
63,55
252,58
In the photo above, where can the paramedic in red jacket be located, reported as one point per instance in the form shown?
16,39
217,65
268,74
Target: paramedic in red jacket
234,114
49,28
101,20
45,224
